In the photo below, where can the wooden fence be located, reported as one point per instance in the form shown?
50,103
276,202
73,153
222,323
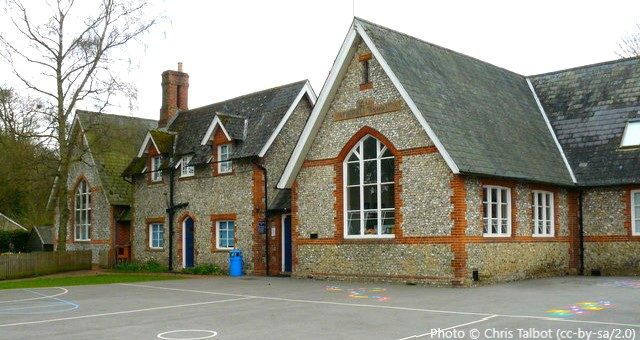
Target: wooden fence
14,266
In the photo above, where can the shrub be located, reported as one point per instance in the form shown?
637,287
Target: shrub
203,269
151,266
14,241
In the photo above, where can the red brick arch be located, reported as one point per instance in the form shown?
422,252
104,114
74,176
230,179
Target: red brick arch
181,219
71,233
358,136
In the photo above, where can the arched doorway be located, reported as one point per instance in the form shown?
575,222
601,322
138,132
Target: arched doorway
187,243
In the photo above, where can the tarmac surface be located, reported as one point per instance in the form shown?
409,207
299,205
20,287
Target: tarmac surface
284,308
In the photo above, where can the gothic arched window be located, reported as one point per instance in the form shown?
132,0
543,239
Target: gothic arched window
369,190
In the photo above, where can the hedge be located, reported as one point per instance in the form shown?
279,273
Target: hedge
14,241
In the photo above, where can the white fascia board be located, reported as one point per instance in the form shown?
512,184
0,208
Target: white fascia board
212,127
143,147
14,222
306,90
555,139
319,110
416,112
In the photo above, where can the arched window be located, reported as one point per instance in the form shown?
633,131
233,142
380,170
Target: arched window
369,193
82,211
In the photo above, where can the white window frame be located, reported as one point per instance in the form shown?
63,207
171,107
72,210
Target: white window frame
635,227
536,204
82,206
218,226
487,211
379,183
625,133
186,170
152,234
156,174
225,166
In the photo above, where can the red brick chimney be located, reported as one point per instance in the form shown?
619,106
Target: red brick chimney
175,94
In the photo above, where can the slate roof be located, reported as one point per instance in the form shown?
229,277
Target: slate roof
251,119
163,140
588,108
486,117
114,141
45,233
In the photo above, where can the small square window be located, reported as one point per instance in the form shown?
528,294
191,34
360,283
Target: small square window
186,170
156,236
225,231
631,135
224,154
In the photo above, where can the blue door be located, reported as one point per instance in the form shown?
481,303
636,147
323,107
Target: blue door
286,243
188,243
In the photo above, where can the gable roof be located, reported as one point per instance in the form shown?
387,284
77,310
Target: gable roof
8,224
588,108
483,119
44,233
113,142
251,120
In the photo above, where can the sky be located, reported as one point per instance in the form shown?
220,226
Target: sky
230,48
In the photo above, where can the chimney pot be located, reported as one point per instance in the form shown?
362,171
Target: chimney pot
180,66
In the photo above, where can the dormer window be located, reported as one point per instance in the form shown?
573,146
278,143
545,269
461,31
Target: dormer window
224,154
186,170
156,173
631,135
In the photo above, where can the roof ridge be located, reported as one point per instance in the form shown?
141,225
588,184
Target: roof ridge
601,63
438,46
80,111
246,95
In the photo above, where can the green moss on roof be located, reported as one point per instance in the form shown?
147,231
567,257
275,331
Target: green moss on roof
163,140
114,141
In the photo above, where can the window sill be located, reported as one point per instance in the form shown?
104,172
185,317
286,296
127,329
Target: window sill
217,174
542,235
496,235
155,249
366,86
369,237
186,177
82,241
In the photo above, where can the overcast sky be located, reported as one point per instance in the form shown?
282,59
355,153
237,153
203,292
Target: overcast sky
230,48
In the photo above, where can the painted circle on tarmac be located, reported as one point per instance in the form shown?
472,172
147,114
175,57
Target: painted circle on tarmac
188,334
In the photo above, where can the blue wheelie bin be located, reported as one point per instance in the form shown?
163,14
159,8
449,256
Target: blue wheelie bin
235,263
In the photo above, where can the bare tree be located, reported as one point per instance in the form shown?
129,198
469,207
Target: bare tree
21,117
67,59
630,45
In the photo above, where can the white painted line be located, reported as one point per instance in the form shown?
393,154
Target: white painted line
121,312
42,296
546,318
29,307
211,334
434,331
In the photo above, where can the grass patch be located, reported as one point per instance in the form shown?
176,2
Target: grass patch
84,280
